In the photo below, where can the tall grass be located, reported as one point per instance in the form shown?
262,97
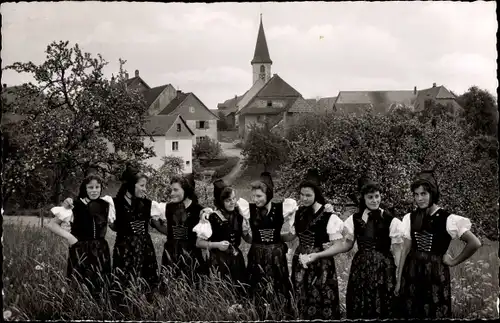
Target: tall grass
35,288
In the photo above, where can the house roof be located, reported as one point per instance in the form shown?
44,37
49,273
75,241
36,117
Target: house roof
326,103
229,106
131,82
181,96
177,101
381,101
151,95
159,125
435,93
250,94
277,87
300,105
256,110
261,54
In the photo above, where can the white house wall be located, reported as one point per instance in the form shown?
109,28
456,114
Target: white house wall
211,132
158,146
185,152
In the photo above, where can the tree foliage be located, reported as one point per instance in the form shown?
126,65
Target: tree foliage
71,113
264,146
392,149
209,149
481,111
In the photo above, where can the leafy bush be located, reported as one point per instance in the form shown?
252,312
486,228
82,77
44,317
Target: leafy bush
393,149
208,149
227,167
264,147
159,180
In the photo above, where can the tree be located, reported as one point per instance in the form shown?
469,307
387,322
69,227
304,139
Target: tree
208,149
481,111
264,147
392,149
73,114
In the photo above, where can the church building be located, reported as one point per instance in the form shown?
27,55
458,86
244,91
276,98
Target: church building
269,99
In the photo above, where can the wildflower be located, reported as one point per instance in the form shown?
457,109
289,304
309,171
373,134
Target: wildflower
234,308
7,314
38,267
63,290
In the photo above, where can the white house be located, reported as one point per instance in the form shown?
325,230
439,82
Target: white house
171,137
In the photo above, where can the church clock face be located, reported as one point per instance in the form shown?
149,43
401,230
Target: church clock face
262,76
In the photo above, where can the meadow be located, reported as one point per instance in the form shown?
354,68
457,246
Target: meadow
34,289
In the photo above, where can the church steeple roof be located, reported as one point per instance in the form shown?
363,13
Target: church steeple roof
261,54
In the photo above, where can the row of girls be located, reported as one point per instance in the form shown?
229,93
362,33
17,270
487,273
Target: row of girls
401,268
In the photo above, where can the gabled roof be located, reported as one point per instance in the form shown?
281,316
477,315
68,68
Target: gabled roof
381,101
250,94
229,106
261,54
151,95
159,125
256,110
324,104
136,80
435,93
181,96
300,105
177,101
277,87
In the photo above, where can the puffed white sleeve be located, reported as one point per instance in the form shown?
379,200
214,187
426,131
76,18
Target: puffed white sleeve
158,210
244,208
289,208
111,210
349,229
406,227
62,213
203,229
335,227
457,225
396,231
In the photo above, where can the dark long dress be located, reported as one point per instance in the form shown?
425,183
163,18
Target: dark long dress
134,254
90,258
316,287
425,282
230,263
267,262
370,289
180,254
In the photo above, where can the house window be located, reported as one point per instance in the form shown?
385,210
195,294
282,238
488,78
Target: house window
178,127
191,109
201,125
175,146
269,103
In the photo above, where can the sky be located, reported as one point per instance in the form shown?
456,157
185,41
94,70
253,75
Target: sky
319,48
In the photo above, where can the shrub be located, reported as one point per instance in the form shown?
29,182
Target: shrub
392,149
264,147
159,180
208,149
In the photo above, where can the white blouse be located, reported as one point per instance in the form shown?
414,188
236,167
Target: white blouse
203,229
395,229
66,215
456,225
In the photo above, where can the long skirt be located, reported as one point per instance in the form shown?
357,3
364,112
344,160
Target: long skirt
90,263
370,289
134,257
425,287
268,277
230,264
181,259
316,287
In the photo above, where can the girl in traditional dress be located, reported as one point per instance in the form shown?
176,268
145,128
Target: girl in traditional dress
221,231
424,273
89,255
267,263
315,285
182,214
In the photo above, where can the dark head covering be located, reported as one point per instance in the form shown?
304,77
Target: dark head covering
265,177
219,186
312,180
129,178
187,184
428,179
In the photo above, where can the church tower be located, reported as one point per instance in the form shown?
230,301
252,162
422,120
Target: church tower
261,62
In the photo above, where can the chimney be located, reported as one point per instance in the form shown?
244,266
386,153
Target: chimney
179,93
136,73
433,84
126,75
415,90
4,86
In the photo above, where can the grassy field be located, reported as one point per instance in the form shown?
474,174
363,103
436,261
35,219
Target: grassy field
35,262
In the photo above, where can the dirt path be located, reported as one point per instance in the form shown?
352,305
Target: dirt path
231,151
